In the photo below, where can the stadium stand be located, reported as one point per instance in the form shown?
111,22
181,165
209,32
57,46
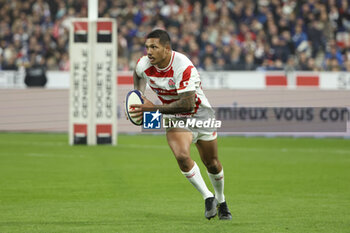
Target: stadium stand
309,35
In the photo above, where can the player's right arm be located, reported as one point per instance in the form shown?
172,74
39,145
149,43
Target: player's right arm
184,104
139,83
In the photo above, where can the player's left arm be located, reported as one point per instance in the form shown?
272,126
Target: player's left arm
139,83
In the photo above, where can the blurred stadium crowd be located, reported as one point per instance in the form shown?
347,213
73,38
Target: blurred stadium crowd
215,34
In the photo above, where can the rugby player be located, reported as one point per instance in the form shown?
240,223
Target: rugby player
172,76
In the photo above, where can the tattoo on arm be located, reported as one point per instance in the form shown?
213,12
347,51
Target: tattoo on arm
139,83
186,103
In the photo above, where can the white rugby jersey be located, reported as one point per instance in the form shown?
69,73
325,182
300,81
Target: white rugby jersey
178,77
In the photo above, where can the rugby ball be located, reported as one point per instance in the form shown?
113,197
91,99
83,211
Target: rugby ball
133,97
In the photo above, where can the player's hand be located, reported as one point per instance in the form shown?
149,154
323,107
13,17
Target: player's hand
138,109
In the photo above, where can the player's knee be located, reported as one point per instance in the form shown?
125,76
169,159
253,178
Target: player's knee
213,166
182,156
184,161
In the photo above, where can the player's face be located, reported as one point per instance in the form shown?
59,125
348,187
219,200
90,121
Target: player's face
157,53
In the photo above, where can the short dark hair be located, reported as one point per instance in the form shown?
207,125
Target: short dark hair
163,36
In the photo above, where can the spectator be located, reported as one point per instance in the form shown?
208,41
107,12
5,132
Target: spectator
315,36
249,63
302,61
290,66
36,73
311,65
208,64
10,64
299,37
220,64
334,53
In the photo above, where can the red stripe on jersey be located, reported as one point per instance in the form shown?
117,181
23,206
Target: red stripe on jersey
164,101
161,91
185,77
153,72
198,102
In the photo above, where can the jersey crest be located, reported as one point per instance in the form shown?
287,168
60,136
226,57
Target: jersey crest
171,83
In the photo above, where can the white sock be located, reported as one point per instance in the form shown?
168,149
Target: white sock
218,183
194,176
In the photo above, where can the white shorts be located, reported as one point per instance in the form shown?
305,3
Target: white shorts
205,136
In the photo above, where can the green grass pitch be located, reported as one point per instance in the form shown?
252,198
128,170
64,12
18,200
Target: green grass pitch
299,185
